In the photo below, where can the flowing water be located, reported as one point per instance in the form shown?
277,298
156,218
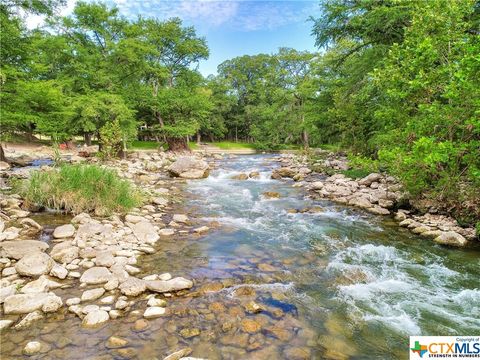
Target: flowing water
333,282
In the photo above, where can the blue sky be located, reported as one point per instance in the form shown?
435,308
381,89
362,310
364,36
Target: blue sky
232,27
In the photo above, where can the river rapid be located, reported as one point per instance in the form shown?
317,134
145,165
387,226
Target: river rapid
330,282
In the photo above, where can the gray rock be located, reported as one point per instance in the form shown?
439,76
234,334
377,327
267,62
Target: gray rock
17,249
6,291
34,264
153,312
451,238
64,231
58,271
5,324
105,258
29,319
42,284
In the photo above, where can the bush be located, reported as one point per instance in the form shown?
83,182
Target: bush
80,188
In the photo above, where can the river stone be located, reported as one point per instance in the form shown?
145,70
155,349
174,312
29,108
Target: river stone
133,287
92,294
201,229
32,348
451,238
4,166
145,232
177,355
369,179
160,201
360,202
64,252
64,231
27,303
58,271
6,291
95,318
104,258
89,229
250,326
5,324
180,218
28,320
153,301
115,342
34,264
166,232
17,249
153,312
96,275
175,284
42,284
189,167
133,219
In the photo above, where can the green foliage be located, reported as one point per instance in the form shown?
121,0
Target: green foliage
233,145
111,139
80,188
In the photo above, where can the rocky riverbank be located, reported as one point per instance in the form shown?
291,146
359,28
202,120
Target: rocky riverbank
92,261
376,193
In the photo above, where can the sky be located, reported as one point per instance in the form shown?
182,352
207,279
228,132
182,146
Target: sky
232,27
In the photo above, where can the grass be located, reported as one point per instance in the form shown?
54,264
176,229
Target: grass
193,145
356,173
145,145
80,188
227,145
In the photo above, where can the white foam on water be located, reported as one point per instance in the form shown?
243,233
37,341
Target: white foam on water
374,289
401,322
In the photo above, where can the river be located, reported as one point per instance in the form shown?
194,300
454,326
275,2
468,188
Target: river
331,282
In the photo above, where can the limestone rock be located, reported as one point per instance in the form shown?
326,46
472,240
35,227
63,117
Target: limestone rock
95,318
64,231
145,232
153,312
64,252
34,264
369,179
133,287
189,167
92,294
175,284
96,275
17,249
27,303
451,238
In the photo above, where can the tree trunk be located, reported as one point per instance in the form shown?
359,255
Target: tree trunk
177,144
88,138
2,154
199,138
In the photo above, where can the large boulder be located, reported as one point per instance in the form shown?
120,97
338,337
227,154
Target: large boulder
451,238
17,249
284,172
176,284
189,167
34,264
64,252
27,303
96,275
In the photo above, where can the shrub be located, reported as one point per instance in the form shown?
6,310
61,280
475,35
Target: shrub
80,188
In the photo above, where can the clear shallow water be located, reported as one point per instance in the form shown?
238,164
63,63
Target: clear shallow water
335,283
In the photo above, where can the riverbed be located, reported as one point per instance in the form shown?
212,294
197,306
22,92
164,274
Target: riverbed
283,278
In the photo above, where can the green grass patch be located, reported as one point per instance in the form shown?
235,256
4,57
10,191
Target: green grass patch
228,145
80,188
356,173
145,145
193,145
